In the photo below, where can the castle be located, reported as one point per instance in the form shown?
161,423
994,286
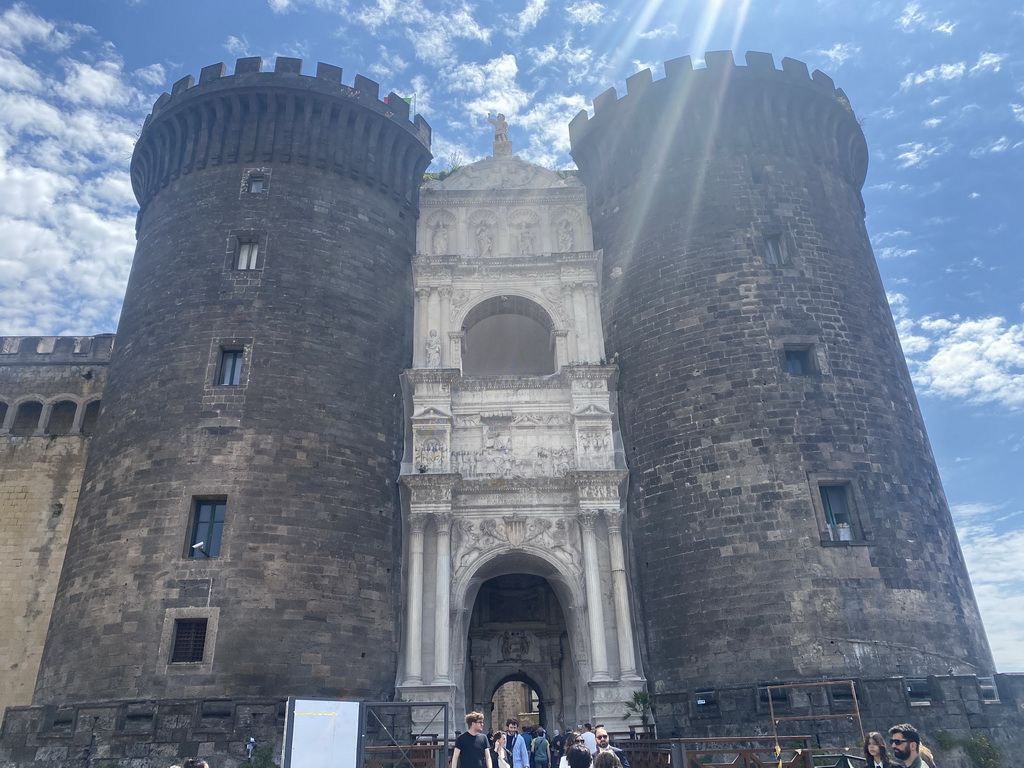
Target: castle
646,427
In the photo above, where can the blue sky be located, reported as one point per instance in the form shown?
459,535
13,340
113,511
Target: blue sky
938,86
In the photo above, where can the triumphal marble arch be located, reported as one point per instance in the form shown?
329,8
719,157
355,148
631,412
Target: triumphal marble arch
514,476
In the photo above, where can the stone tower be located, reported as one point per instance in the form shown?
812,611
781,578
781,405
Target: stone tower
238,532
785,512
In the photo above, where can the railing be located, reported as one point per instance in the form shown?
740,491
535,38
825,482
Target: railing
711,753
416,756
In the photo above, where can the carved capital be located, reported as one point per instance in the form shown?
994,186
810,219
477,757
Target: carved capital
614,518
446,291
423,294
417,522
443,518
588,519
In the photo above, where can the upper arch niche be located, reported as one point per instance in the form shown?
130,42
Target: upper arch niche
508,335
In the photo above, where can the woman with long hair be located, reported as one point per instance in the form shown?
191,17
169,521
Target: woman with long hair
875,752
499,750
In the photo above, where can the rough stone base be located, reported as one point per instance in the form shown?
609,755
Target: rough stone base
140,734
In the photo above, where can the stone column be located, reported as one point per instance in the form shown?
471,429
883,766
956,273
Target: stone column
433,312
414,606
623,624
579,305
442,620
596,337
444,323
595,608
419,332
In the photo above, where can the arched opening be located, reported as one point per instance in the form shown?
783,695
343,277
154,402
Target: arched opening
26,421
62,418
516,699
3,413
519,662
508,335
89,418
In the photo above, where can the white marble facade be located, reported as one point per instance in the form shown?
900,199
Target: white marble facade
513,472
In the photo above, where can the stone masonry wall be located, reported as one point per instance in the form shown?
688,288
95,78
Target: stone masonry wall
40,476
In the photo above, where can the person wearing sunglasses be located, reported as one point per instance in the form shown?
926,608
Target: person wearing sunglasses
906,745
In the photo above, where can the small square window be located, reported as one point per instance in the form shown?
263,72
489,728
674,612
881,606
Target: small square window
774,253
247,253
835,502
255,185
798,362
229,373
189,641
207,528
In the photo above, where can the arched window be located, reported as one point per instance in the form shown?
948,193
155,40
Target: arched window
92,413
27,419
508,335
62,417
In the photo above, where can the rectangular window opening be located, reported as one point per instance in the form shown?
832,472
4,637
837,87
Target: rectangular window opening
799,361
773,251
189,641
919,690
247,253
230,371
207,528
255,185
835,502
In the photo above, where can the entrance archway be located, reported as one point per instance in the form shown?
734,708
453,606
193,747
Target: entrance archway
518,634
518,698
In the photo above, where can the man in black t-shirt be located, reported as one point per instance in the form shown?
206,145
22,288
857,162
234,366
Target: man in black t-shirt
471,747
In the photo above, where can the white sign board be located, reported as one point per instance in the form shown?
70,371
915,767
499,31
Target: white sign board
321,733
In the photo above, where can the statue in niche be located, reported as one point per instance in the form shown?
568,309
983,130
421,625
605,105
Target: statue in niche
440,238
566,236
514,646
526,239
484,241
500,127
433,350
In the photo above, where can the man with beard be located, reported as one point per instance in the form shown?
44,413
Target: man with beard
906,745
604,745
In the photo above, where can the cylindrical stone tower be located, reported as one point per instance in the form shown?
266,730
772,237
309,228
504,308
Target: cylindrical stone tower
787,518
238,532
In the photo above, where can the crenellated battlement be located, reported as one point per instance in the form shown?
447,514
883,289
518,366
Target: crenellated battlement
55,350
722,105
282,116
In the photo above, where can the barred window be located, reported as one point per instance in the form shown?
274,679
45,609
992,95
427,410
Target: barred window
189,641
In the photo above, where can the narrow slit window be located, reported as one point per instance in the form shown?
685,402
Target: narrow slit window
773,251
248,253
230,372
189,641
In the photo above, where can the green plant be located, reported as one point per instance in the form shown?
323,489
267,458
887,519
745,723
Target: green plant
264,758
639,706
981,750
945,740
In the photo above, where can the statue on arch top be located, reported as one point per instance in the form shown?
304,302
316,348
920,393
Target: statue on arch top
500,128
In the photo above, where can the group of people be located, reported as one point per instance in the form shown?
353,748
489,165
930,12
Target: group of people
585,747
906,748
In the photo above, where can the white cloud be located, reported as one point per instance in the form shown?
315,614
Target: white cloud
154,74
389,63
996,147
918,154
431,33
839,53
549,121
892,252
531,15
943,72
578,65
1018,112
100,84
585,13
973,360
237,46
16,75
989,62
669,30
913,18
995,560
932,122
493,86
19,26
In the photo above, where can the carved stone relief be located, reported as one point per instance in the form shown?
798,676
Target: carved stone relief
525,224
441,231
483,228
515,646
594,449
558,536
